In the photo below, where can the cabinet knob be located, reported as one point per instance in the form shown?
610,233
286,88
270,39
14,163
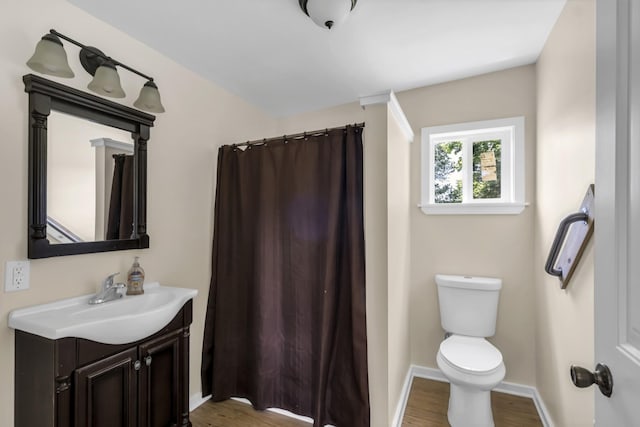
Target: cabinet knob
137,365
147,360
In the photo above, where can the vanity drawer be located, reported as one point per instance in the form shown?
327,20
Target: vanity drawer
90,351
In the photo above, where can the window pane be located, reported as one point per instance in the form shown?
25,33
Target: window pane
486,169
448,172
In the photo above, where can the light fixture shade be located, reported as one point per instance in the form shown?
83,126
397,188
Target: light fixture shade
106,81
149,99
50,58
327,13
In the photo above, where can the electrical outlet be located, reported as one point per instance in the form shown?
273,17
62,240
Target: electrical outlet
16,276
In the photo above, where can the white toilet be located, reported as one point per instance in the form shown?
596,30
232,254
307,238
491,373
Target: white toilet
473,366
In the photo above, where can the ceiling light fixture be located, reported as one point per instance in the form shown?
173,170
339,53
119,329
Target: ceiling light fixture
327,13
51,58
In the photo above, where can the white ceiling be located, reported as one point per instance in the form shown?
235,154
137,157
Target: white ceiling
272,55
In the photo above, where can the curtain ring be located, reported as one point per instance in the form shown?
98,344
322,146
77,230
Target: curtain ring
326,132
306,138
284,137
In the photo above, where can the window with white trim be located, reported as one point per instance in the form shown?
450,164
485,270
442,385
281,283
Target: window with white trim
474,168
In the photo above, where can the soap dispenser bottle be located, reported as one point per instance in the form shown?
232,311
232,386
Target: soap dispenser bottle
135,279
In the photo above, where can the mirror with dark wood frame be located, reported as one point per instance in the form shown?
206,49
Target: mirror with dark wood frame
47,235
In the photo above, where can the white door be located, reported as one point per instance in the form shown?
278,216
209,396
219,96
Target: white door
617,210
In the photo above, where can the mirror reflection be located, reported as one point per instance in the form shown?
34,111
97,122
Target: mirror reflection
89,181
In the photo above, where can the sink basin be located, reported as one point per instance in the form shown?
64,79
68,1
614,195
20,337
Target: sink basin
130,318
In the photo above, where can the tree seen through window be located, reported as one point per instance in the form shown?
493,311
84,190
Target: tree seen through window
486,173
448,172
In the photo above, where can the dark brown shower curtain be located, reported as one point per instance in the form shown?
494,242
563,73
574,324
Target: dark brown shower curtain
120,219
285,323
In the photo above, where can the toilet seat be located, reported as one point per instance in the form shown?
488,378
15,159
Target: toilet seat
471,355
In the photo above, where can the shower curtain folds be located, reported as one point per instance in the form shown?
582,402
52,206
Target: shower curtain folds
285,323
120,216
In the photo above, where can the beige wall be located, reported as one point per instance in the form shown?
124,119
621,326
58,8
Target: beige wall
399,260
327,118
377,268
566,165
485,245
182,158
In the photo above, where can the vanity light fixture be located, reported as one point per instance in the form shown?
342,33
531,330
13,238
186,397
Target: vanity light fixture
51,58
327,13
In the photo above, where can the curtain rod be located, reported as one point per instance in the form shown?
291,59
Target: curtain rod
301,135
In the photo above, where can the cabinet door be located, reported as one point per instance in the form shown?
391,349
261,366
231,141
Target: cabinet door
160,382
105,392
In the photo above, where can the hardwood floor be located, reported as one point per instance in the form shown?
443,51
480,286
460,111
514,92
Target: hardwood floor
428,402
426,407
231,413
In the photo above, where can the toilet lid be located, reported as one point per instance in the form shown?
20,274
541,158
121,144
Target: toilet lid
470,353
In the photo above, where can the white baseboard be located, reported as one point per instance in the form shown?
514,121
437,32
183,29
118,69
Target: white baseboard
542,410
404,396
278,411
503,387
196,400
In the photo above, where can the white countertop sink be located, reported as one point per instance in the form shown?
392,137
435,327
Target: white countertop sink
124,320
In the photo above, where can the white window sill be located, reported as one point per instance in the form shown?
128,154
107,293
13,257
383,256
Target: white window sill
473,208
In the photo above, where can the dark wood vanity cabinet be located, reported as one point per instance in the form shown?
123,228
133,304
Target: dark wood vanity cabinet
73,382
105,392
158,387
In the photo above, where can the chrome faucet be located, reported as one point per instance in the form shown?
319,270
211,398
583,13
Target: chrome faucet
109,291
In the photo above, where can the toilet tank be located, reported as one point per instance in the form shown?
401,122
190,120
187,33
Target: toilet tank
468,305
